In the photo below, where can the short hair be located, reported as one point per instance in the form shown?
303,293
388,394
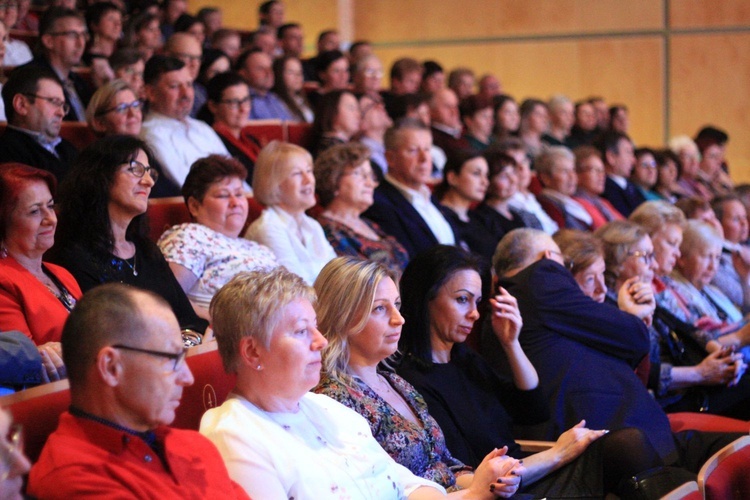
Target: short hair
50,17
159,65
557,102
583,153
102,99
510,143
346,291
454,77
420,284
698,235
609,142
515,249
455,163
691,205
272,167
664,155
250,305
24,80
529,105
405,65
644,151
327,58
431,67
709,136
204,12
356,45
265,7
547,160
617,237
326,33
105,315
580,249
176,38
244,56
680,142
332,164
220,82
223,33
14,177
497,161
654,215
185,22
719,204
392,138
403,104
126,56
95,12
284,28
209,170
473,104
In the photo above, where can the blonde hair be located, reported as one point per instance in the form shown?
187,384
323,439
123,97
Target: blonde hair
346,291
250,305
654,215
617,238
102,99
272,167
679,143
697,236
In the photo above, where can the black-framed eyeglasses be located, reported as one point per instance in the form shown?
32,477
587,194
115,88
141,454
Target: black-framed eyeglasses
648,257
11,452
60,103
235,103
139,170
72,35
122,108
176,357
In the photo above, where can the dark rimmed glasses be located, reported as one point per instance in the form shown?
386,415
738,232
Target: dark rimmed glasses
122,108
138,169
176,357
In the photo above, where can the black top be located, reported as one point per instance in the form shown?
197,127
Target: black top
474,406
17,146
153,273
83,88
479,238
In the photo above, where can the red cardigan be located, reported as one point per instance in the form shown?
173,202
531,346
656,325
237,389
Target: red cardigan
29,306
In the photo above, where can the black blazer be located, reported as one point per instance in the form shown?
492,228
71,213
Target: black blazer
624,200
16,146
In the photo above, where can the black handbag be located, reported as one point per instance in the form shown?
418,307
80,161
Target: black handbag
654,483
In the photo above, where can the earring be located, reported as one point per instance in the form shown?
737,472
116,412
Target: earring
259,367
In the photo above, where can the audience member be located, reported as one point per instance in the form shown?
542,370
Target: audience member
144,35
406,78
127,372
212,19
186,48
229,42
255,67
289,86
735,254
102,224
507,118
14,462
619,119
327,40
176,139
367,74
337,120
489,86
584,256
206,253
264,39
35,106
644,173
271,13
17,52
616,149
403,206
446,122
332,73
3,40
214,62
128,65
686,150
711,171
461,81
170,11
192,26
534,123
477,117
114,109
601,111
283,181
433,78
561,119
291,40
556,171
585,129
668,168
375,121
591,180
104,22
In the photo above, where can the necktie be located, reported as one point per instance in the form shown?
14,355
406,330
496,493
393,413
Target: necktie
74,100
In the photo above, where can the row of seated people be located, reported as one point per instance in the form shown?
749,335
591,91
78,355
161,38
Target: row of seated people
279,439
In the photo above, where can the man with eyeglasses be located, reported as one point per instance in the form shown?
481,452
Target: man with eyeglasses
254,66
176,138
187,49
63,36
35,106
127,369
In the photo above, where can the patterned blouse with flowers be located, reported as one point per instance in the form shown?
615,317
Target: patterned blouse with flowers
419,448
213,257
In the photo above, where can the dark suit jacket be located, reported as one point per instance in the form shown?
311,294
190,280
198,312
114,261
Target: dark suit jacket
83,89
16,146
585,354
624,200
451,145
397,217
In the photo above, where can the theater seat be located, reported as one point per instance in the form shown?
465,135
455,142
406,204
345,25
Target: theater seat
211,387
164,213
687,491
725,475
684,421
265,131
77,133
299,134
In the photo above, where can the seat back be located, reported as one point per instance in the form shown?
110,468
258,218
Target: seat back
726,474
38,410
265,131
210,389
299,134
77,133
683,421
687,491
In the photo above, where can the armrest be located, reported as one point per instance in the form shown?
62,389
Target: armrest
530,446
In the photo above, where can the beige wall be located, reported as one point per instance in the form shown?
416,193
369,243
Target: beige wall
677,64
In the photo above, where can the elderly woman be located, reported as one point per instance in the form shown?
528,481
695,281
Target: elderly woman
205,254
35,297
556,170
337,119
584,256
283,181
680,381
103,228
279,440
358,304
687,151
591,180
440,292
289,86
735,256
345,185
115,109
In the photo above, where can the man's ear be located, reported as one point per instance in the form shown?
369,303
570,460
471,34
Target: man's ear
46,41
109,366
21,104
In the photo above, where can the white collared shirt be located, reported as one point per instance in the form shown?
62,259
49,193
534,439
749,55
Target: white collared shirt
420,200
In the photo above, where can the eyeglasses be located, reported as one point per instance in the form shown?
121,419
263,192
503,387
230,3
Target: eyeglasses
235,103
176,357
362,174
648,257
60,103
72,35
122,108
647,164
139,170
11,452
187,57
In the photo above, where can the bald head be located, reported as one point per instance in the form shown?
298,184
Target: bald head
444,108
522,247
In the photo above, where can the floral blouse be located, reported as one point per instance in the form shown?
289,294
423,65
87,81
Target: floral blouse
213,257
419,448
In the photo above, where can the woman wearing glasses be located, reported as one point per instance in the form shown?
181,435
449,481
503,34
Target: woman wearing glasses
103,225
114,109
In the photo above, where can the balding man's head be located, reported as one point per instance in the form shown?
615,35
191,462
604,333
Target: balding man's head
522,247
444,108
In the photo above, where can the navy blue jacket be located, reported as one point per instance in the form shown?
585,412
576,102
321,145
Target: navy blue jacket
624,200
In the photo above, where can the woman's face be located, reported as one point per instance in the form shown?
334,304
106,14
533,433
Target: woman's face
471,183
734,221
505,183
150,35
126,121
31,229
454,310
336,76
539,120
667,241
591,175
508,117
379,338
562,178
480,124
133,76
234,108
690,158
348,115
293,356
644,172
224,207
298,187
293,77
639,262
128,195
591,280
357,187
699,265
110,25
667,174
713,157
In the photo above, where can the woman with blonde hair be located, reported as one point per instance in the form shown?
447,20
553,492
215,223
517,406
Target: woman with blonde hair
283,180
115,109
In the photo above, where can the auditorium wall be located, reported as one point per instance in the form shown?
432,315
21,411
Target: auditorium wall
677,64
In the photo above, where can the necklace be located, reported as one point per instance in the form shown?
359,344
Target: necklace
132,266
